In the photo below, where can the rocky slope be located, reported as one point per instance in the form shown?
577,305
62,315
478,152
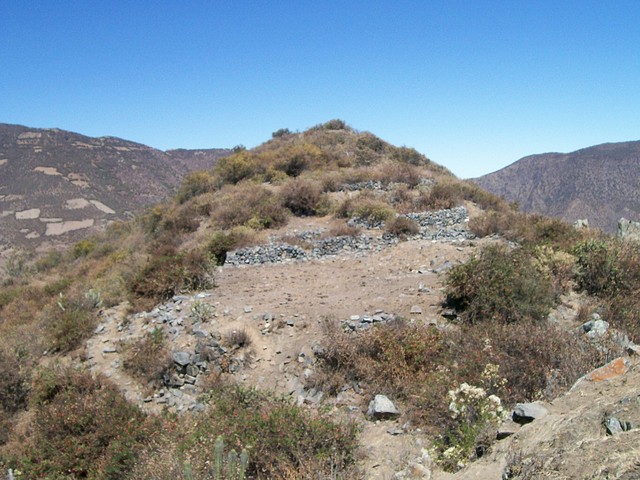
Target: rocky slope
598,183
58,186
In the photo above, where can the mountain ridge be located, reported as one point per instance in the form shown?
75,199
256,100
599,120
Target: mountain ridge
599,183
57,186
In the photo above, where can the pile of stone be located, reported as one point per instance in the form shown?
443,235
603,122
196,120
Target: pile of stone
442,225
269,253
440,218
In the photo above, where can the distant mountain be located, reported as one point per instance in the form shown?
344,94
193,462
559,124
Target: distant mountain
57,186
600,183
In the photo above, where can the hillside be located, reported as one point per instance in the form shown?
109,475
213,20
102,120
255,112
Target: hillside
599,183
324,306
57,186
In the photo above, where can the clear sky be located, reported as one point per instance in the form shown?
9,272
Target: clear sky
473,84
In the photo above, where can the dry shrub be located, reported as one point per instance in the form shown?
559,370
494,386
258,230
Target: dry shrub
236,338
402,360
402,198
69,321
14,387
623,312
610,271
222,242
283,440
295,159
501,285
537,360
302,196
402,226
365,206
344,230
525,228
183,219
334,180
81,427
249,205
394,172
442,195
168,274
148,359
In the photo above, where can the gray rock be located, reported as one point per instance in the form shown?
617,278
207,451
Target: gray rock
193,371
247,309
381,408
182,358
507,429
628,230
528,412
416,310
447,265
109,350
613,426
596,327
581,223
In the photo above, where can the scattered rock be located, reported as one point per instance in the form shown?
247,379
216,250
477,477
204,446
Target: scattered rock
416,310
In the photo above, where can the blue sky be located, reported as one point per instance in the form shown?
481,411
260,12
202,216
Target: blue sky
473,84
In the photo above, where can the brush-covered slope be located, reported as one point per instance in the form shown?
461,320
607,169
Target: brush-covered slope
599,183
351,247
58,186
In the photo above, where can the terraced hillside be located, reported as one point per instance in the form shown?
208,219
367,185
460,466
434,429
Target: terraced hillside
324,306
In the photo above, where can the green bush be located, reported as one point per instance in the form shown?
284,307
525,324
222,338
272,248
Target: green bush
194,184
598,268
83,248
239,166
500,285
281,132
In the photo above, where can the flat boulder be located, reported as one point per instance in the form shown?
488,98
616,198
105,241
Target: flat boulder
528,412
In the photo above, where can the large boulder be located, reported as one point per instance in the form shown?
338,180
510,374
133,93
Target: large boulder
628,230
381,408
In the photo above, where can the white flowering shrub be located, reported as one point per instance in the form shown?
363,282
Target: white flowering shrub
475,413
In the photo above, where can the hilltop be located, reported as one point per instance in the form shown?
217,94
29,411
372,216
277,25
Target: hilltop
333,306
57,187
598,183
